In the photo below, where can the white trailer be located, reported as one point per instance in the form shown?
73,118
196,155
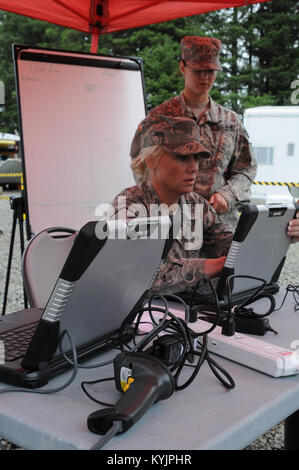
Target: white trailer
274,135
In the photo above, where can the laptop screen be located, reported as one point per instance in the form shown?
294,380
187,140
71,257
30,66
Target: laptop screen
259,247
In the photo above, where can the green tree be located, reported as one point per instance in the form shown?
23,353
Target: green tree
159,47
259,56
273,33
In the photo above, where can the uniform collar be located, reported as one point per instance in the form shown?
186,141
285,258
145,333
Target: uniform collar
211,113
153,197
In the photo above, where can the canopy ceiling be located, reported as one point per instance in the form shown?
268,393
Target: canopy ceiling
104,16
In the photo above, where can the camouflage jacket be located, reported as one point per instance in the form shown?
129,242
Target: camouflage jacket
232,168
202,235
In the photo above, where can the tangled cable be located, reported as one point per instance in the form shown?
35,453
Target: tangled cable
169,323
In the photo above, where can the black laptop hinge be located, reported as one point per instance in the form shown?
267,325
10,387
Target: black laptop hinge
42,346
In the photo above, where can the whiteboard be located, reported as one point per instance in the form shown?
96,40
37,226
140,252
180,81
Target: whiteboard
78,114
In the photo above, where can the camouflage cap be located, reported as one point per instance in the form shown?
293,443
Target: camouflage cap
176,134
201,53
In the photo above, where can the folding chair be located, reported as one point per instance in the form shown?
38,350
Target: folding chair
42,262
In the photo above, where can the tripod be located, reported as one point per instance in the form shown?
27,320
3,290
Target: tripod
18,206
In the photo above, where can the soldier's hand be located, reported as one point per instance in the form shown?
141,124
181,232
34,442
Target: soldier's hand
293,229
219,203
214,266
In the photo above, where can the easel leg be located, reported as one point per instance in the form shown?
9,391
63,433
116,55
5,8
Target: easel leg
12,238
22,246
16,203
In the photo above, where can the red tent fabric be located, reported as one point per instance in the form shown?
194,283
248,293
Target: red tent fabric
104,16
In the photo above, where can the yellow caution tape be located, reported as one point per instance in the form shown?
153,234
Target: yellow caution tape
276,183
262,183
12,175
5,197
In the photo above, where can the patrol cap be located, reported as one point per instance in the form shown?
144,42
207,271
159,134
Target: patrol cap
178,135
201,53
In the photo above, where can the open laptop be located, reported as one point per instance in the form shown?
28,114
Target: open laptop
104,280
258,249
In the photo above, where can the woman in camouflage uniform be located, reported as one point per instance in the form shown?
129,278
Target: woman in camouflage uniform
167,166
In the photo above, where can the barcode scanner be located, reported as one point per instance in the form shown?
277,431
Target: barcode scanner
143,380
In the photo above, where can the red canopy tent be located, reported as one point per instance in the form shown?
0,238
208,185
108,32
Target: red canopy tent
104,16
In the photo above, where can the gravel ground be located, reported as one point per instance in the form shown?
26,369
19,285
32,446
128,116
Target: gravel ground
272,440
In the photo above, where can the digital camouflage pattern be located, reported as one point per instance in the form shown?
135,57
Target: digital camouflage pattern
182,267
178,135
232,167
201,53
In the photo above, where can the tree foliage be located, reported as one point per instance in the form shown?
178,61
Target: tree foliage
259,57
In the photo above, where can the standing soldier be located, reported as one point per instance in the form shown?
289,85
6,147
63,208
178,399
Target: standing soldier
224,179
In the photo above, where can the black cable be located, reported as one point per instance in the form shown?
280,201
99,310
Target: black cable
139,314
195,290
163,324
248,299
218,309
154,332
166,311
150,308
187,341
186,334
215,365
204,355
295,291
174,320
229,321
180,300
227,309
196,368
156,325
201,307
116,427
241,309
95,382
87,366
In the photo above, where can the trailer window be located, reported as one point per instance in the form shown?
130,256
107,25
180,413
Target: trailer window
291,149
264,155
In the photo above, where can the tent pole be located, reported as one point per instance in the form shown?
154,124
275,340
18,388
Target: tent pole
94,41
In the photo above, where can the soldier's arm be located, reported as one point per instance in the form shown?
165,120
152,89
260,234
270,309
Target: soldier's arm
217,235
242,170
177,274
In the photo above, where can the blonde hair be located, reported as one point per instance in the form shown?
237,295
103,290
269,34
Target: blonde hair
138,164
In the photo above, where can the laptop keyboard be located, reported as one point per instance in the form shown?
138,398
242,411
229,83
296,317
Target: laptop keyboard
16,341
